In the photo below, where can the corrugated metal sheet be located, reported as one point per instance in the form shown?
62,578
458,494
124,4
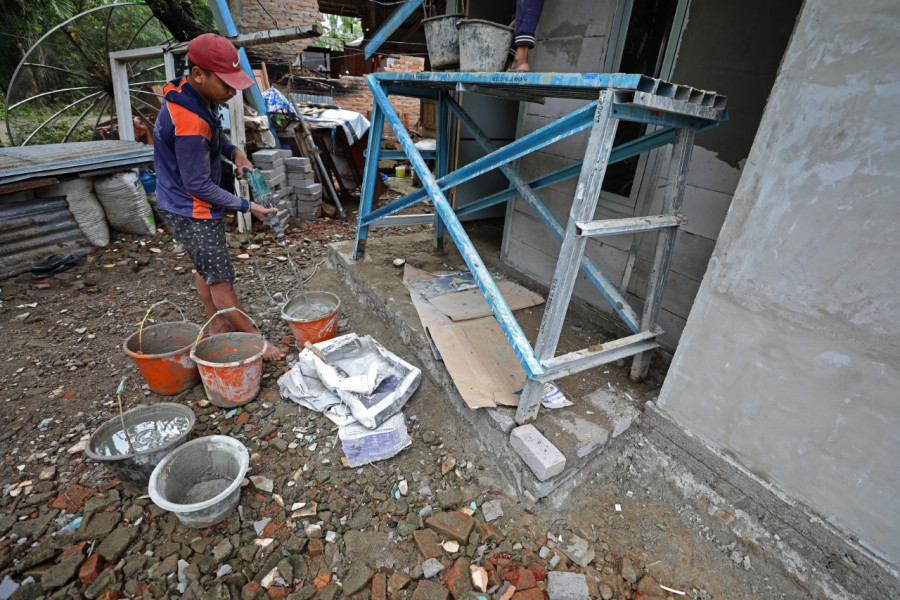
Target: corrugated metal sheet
19,163
32,230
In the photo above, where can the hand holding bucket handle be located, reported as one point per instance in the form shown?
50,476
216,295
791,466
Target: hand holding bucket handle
144,320
228,310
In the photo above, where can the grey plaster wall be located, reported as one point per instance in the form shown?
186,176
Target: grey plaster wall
790,360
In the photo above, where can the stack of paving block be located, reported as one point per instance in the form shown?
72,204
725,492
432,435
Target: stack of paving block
272,165
308,193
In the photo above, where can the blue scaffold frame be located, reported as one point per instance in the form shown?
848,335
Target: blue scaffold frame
676,111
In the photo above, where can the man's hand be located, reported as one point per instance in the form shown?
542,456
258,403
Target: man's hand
259,211
241,162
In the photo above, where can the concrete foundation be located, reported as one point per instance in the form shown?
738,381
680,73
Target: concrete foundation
580,433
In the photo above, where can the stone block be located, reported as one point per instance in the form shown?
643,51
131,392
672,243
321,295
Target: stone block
567,586
542,457
577,549
491,510
296,162
266,156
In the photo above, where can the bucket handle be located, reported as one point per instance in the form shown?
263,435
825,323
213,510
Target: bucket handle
119,391
147,314
228,310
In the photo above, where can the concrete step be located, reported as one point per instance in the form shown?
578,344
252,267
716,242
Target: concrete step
580,433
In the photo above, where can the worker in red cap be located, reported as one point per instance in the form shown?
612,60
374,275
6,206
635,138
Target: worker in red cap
188,145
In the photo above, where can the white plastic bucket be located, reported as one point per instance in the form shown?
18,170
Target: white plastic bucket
200,481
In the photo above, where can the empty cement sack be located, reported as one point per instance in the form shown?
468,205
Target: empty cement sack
84,206
125,203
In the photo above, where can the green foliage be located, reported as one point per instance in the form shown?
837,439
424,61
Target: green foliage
25,21
336,31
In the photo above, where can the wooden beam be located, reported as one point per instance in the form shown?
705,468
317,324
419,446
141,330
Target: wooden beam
271,36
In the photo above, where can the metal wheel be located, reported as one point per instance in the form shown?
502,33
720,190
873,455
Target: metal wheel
62,90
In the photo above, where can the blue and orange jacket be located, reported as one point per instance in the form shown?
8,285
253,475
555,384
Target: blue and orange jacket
188,143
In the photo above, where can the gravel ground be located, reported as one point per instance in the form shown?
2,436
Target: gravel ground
427,523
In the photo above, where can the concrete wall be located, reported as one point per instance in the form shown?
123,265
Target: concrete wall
790,360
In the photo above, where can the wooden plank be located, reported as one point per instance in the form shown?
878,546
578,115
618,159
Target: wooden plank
470,304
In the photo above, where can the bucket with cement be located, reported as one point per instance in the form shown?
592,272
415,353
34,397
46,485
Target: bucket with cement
201,481
162,355
150,433
230,365
442,39
312,316
483,45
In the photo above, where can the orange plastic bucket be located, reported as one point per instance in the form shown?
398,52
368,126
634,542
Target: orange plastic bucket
230,367
230,364
312,316
162,355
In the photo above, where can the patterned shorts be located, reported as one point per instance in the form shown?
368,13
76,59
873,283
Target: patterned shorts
204,241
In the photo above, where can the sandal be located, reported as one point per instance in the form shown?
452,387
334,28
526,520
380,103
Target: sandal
53,265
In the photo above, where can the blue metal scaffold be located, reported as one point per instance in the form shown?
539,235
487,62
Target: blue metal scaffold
676,111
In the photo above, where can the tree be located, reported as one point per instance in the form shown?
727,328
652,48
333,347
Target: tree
183,18
336,31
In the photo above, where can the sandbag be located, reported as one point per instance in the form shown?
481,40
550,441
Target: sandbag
84,206
125,203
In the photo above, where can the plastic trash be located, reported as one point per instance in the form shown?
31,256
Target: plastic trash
394,380
362,445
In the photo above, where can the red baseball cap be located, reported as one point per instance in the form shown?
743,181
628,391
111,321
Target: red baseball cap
215,53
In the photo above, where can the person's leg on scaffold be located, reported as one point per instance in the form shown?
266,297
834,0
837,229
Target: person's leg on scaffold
528,12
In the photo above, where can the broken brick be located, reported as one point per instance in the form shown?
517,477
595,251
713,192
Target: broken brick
427,544
379,587
532,594
72,551
429,590
73,498
459,580
453,524
316,548
90,569
323,578
490,533
398,581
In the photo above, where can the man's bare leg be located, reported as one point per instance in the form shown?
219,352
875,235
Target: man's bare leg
520,62
217,326
222,295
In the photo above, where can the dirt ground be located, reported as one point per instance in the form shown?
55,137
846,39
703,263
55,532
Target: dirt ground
61,359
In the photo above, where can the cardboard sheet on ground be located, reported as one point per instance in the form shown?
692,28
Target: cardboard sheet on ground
475,351
480,361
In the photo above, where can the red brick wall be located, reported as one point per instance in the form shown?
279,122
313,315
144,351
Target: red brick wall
249,16
353,94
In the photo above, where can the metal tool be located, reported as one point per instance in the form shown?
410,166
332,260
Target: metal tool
263,196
